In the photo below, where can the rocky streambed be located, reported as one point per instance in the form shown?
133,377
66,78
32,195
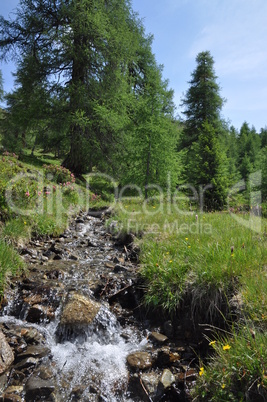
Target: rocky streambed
73,328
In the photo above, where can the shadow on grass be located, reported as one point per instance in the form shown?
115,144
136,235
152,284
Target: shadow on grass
39,160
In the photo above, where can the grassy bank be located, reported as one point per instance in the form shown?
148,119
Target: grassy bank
215,263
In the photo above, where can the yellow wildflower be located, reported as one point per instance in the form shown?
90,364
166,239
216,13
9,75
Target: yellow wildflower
201,371
186,238
226,347
223,386
212,343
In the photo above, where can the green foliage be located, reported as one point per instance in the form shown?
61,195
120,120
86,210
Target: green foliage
206,168
237,370
59,174
10,263
202,101
217,267
182,254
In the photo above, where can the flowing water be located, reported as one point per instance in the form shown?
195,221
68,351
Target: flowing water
91,367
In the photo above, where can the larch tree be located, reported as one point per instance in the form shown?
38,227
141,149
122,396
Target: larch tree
81,49
151,144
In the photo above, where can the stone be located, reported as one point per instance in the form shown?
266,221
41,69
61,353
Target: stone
38,312
32,335
37,388
157,337
35,351
49,254
79,310
14,390
78,313
167,379
150,381
73,257
6,355
109,265
10,398
120,268
166,357
26,363
140,360
91,244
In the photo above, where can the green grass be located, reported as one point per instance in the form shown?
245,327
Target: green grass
182,255
10,263
217,265
236,372
34,201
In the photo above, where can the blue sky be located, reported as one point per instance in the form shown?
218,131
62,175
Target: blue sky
234,31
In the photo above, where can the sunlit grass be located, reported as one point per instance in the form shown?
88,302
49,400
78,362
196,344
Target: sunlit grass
237,370
212,261
181,253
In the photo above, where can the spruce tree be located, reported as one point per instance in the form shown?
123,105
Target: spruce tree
203,156
202,101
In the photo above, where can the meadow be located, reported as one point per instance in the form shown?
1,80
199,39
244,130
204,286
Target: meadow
215,264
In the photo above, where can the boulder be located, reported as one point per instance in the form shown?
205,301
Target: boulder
78,313
6,355
140,360
37,388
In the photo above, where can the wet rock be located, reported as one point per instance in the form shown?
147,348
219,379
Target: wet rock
166,379
32,335
49,254
79,220
118,260
34,351
37,388
150,382
158,338
10,398
6,355
120,268
78,313
26,363
12,394
38,313
140,360
166,357
73,257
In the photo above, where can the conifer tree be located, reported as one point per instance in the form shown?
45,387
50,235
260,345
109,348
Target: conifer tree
203,159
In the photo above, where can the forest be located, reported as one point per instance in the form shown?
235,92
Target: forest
88,88
91,122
